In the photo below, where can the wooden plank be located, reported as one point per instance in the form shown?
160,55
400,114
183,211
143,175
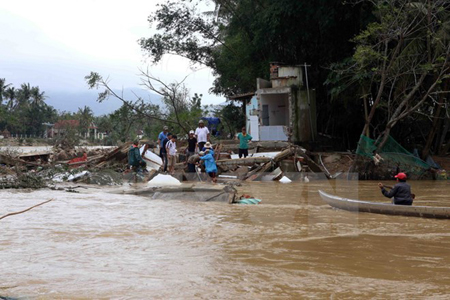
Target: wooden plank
266,167
248,161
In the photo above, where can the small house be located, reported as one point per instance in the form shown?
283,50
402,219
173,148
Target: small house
283,108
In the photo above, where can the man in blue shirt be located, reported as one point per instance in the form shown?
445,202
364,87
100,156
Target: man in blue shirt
162,135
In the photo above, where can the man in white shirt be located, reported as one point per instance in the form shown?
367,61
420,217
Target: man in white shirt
202,134
171,148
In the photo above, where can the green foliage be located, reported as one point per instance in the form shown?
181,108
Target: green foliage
399,62
239,38
232,119
23,110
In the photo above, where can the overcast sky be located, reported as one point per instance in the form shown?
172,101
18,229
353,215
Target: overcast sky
54,44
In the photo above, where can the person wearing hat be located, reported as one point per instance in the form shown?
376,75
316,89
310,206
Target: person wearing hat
210,164
208,146
202,134
192,144
401,191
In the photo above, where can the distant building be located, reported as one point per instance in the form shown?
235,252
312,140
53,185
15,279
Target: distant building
63,126
6,134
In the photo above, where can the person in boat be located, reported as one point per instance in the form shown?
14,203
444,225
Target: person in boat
401,191
210,164
243,138
135,160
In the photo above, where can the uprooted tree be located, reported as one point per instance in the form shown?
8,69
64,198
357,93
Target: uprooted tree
180,111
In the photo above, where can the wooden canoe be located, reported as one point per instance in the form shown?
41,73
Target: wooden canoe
386,208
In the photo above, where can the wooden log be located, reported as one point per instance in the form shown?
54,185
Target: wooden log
283,154
252,172
248,161
261,145
266,167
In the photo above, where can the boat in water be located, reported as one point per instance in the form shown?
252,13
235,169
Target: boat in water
386,208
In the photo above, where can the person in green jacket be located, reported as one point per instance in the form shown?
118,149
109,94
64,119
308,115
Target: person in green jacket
244,138
135,160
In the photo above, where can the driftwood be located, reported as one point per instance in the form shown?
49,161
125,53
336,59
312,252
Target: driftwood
25,210
13,161
248,161
261,145
252,172
266,167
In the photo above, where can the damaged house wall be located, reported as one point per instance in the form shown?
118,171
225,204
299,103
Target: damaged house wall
286,110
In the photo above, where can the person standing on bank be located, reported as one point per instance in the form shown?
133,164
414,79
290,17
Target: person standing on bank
243,138
135,160
164,151
401,191
162,135
202,134
171,147
192,144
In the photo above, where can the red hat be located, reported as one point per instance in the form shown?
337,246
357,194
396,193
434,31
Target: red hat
401,176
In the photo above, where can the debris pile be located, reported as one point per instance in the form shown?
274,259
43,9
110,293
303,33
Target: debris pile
267,161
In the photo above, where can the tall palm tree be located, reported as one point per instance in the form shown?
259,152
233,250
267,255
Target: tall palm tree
3,87
85,116
37,96
23,95
10,94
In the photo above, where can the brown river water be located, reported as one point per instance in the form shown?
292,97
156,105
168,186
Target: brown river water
98,245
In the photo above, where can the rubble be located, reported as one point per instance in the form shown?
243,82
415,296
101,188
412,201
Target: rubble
109,166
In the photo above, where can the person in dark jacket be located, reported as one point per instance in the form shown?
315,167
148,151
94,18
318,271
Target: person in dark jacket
401,191
164,151
135,160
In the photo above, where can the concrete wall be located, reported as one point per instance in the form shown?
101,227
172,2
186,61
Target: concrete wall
288,71
278,108
251,109
303,116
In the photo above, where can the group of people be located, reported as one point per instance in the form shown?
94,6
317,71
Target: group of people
199,149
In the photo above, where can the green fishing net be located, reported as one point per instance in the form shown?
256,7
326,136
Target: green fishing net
394,155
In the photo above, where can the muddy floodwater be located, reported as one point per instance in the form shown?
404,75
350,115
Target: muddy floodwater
98,245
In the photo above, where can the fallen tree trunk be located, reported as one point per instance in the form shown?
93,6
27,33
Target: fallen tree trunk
248,161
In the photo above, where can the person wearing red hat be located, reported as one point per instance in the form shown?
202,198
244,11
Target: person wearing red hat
401,191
